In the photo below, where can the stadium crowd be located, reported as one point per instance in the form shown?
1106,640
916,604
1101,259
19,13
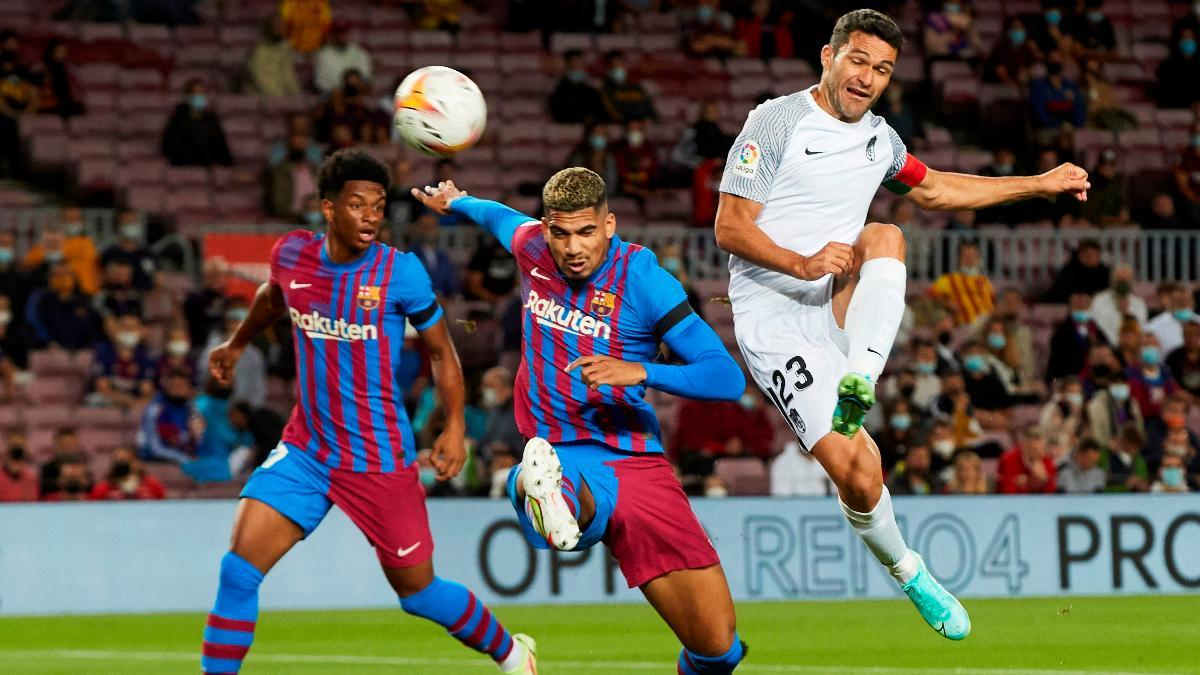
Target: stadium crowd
979,398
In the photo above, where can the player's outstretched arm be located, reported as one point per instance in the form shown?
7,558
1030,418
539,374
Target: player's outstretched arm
946,191
267,307
737,233
499,220
449,449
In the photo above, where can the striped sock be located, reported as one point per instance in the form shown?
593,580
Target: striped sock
568,493
451,605
691,663
230,627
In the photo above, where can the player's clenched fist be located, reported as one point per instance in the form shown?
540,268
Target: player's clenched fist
835,258
598,370
1067,178
449,453
222,361
439,198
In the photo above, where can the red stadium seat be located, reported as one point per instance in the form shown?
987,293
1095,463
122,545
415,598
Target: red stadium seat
239,201
744,475
158,102
383,38
96,172
240,36
49,362
95,441
431,40
561,42
96,417
185,198
47,150
743,67
48,416
100,31
190,35
1174,117
139,78
40,124
179,177
659,23
146,34
205,54
520,42
145,197
791,68
93,123
98,75
55,389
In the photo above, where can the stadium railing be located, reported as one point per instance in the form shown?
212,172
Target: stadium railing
27,223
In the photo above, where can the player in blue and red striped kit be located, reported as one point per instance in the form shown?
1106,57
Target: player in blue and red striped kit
349,441
596,310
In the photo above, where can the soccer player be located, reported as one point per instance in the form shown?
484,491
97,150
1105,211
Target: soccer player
349,441
817,297
596,309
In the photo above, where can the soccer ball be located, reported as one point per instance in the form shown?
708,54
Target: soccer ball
439,111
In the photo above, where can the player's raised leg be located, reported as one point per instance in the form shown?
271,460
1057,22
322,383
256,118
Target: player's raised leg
873,308
696,604
553,505
854,467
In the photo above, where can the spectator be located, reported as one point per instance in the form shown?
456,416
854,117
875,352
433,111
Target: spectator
73,483
1026,468
193,136
796,474
1003,164
624,100
118,297
1011,310
18,478
160,305
1072,339
337,57
305,23
59,93
1169,432
990,399
171,426
574,99
346,118
1050,29
298,124
265,427
1167,325
912,475
224,451
705,139
1150,382
290,181
498,469
1178,76
15,284
491,272
950,33
79,250
967,293
17,95
706,186
593,153
437,15
1092,33
955,409
250,374
1172,475
1111,307
501,436
127,479
1104,104
637,163
1012,56
731,430
45,254
1123,463
968,477
271,70
1062,417
708,32
1003,356
766,31
1111,409
205,308
926,385
424,243
1084,273
130,248
59,316
1082,473
714,486
1184,362
1160,215
122,371
944,442
1187,180
899,434
903,116
14,347
1056,101
177,351
1108,198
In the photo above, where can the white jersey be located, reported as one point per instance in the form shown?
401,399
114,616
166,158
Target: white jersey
815,176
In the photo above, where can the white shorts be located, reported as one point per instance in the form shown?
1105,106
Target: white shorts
797,355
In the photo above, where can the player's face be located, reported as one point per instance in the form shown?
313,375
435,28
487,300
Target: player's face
579,240
855,76
354,215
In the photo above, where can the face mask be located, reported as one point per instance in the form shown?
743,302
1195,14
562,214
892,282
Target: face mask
1151,355
1054,68
970,271
705,13
53,257
576,76
1122,287
944,447
1196,141
1172,476
1053,17
178,347
131,231
716,491
489,397
673,266
951,8
5,317
1187,47
926,367
900,422
1119,392
996,340
73,229
1016,36
238,315
1095,17
128,339
635,139
1081,316
198,101
6,256
974,363
314,218
1002,169
428,477
617,75
597,142
1075,398
746,401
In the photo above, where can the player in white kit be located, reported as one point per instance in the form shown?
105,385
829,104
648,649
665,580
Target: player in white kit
817,296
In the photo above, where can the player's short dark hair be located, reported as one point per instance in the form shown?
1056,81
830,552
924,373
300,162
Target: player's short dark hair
347,165
1089,244
574,189
867,21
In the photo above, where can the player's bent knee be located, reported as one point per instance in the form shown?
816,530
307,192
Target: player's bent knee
879,240
237,573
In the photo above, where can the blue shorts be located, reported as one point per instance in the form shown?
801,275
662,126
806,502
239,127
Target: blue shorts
388,508
642,513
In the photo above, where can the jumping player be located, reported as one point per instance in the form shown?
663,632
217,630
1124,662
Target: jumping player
817,297
596,309
349,442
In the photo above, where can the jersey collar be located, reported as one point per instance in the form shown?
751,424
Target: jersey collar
358,262
825,114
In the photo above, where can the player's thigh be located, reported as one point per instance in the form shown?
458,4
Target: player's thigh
389,509
698,607
282,503
262,535
406,581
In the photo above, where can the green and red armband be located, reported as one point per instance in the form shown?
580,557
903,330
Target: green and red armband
908,177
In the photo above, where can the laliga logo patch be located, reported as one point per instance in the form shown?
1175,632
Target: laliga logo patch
368,297
747,159
871,148
603,303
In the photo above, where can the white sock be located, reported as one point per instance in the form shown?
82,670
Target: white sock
878,530
874,315
514,660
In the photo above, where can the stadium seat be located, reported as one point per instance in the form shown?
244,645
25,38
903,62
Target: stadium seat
744,475
40,124
139,79
519,42
626,42
93,123
95,173
47,150
239,36
422,41
101,417
95,441
145,197
561,42
100,31
54,389
49,362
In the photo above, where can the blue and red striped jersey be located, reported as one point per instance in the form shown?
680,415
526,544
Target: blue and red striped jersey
348,322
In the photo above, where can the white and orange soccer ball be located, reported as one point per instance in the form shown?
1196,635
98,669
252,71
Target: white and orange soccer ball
439,111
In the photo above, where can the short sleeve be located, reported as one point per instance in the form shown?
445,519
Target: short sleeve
906,171
413,291
662,302
759,149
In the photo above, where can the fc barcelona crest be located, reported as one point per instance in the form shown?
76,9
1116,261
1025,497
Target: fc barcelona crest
368,297
603,303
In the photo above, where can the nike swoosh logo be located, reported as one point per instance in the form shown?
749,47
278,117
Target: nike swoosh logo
536,274
295,285
405,551
874,352
813,152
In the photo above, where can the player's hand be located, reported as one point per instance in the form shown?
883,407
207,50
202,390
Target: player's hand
1067,178
449,452
598,370
222,361
438,198
836,259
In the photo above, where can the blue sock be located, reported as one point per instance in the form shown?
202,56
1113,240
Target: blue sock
691,663
456,608
230,627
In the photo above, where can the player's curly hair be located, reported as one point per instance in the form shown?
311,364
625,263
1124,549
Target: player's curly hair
350,164
574,189
867,21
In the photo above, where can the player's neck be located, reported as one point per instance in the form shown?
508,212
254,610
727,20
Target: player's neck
338,253
823,102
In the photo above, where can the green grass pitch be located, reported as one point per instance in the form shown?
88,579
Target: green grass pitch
1105,635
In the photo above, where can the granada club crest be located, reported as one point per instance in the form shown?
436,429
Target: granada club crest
368,297
603,303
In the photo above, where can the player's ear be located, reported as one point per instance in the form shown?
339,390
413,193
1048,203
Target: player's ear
610,225
327,210
826,56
